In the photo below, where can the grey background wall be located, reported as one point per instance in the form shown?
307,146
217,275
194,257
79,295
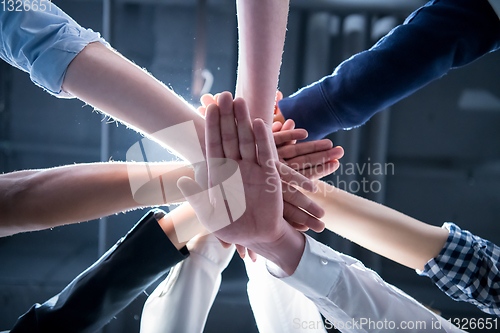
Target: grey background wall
443,141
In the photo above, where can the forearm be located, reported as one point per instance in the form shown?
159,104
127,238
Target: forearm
119,88
262,29
347,292
478,284
42,43
39,199
379,228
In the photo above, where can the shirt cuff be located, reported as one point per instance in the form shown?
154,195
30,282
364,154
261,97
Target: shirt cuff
318,270
431,268
311,111
210,251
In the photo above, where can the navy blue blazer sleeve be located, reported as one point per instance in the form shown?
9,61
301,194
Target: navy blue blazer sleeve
439,36
93,298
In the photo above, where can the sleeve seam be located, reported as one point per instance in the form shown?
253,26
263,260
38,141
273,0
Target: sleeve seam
330,107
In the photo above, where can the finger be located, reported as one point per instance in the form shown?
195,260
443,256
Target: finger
282,137
313,160
321,170
207,99
197,198
299,227
279,117
241,251
228,130
288,125
245,133
276,126
304,148
224,244
340,151
294,197
252,255
297,215
212,133
216,98
295,178
279,96
202,110
262,140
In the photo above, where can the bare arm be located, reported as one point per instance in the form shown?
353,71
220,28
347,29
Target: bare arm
40,199
262,28
379,228
119,88
114,85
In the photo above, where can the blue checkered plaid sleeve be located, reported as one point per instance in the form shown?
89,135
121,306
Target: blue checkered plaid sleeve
467,269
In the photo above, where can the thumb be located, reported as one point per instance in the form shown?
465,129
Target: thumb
196,197
202,110
225,245
276,127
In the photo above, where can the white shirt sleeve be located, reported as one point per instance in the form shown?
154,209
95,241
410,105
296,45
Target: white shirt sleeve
354,298
277,307
181,303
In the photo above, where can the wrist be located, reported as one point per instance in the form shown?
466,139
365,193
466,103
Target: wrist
210,250
180,225
286,251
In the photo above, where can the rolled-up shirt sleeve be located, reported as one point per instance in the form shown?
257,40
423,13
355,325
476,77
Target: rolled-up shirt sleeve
356,299
43,43
467,269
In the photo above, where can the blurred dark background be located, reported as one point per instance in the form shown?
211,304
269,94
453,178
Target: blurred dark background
443,142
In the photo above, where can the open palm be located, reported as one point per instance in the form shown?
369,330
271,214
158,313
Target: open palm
244,204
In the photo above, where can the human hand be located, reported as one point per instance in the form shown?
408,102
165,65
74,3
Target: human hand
300,211
277,116
313,159
260,223
208,99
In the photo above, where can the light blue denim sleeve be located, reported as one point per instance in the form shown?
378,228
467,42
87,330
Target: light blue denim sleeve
43,43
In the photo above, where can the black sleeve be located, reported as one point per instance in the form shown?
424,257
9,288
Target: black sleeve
93,298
